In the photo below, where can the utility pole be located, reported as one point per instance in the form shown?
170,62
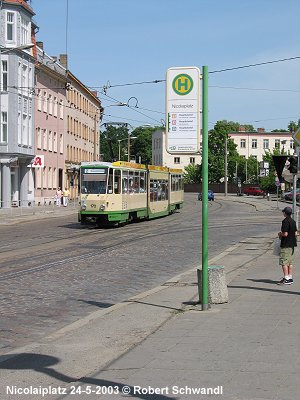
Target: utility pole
205,188
96,138
226,167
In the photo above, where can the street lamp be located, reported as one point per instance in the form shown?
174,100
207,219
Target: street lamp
121,140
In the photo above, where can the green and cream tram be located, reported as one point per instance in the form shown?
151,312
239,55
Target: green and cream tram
120,192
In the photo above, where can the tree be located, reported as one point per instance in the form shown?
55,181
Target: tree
216,151
193,173
141,147
293,126
109,145
247,169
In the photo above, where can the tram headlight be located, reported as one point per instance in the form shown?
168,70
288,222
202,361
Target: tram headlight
102,207
83,206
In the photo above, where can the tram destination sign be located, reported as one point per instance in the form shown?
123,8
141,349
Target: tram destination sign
183,110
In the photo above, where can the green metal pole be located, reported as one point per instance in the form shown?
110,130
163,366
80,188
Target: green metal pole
205,188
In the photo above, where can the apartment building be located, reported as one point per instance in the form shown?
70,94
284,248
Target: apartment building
16,103
256,144
82,140
50,125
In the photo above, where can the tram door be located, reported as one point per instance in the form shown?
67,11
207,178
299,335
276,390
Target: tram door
158,196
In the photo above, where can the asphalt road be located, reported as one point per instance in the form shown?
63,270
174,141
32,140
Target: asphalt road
53,271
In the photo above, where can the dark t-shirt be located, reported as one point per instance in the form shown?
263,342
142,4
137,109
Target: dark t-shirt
289,225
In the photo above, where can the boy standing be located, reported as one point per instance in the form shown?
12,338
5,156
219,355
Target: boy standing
288,238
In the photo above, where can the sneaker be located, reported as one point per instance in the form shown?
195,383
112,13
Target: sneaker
281,282
288,281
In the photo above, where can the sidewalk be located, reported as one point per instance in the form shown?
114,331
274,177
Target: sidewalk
14,215
246,349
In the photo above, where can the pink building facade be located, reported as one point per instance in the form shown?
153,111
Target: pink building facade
50,126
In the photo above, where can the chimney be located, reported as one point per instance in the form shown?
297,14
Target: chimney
40,45
242,128
261,130
63,59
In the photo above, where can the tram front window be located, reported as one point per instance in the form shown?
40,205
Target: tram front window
93,184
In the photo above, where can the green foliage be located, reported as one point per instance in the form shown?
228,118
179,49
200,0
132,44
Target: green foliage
293,126
216,151
109,143
116,139
247,169
141,147
193,173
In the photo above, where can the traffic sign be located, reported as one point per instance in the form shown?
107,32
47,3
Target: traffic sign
183,110
296,136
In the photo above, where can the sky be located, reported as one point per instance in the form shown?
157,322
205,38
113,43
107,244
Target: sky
118,42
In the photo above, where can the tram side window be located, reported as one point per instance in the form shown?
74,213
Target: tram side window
136,182
153,190
176,183
142,182
159,190
125,181
172,183
130,182
117,181
110,181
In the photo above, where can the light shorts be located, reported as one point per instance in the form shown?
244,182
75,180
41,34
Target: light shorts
286,256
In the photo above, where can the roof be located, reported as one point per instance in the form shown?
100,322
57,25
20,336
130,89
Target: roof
22,3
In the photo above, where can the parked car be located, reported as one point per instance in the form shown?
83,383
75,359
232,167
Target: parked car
289,195
211,195
254,191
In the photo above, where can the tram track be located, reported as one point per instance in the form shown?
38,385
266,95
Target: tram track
118,244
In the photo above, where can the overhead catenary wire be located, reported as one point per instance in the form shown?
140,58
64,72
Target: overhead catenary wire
210,72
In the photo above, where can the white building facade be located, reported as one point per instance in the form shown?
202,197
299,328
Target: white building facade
16,104
160,156
256,144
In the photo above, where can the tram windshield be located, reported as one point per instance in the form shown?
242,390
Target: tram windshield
93,180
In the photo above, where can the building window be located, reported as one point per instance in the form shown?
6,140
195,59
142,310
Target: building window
61,144
243,143
50,141
24,78
61,109
55,107
50,104
25,130
45,139
39,100
176,160
45,102
266,144
55,142
19,129
254,143
3,138
292,144
10,26
24,30
192,160
39,138
4,80
277,143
